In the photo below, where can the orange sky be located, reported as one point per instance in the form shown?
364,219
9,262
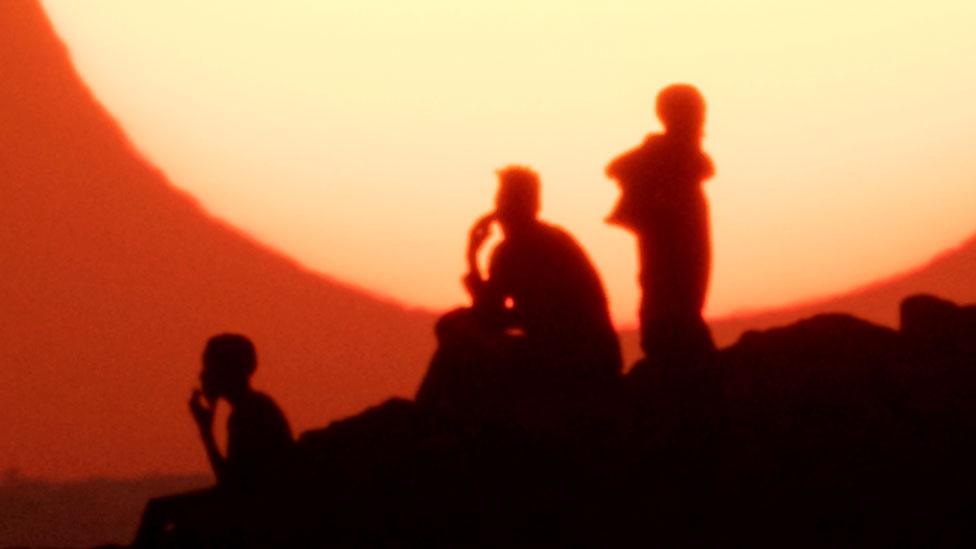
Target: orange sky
362,137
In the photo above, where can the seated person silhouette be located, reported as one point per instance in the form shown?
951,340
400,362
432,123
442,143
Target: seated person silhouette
259,444
539,325
662,202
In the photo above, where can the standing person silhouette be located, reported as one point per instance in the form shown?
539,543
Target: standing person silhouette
662,203
259,445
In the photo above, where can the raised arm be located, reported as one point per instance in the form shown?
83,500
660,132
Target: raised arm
203,415
474,283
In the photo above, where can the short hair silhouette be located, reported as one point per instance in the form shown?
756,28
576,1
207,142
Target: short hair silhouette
681,107
230,354
518,193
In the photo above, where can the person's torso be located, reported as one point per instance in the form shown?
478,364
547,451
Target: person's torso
553,285
258,436
661,178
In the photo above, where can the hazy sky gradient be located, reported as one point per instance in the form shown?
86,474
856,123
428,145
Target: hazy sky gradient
362,137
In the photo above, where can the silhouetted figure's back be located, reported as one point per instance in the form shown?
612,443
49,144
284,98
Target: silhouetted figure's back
539,322
558,300
662,202
259,452
258,437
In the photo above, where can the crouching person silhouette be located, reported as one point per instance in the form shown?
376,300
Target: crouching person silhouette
259,445
538,334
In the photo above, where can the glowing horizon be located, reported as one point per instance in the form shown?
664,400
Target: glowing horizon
362,139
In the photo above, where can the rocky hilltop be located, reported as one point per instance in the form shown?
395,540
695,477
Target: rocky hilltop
829,432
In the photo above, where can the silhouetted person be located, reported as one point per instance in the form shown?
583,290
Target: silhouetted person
539,322
662,202
259,445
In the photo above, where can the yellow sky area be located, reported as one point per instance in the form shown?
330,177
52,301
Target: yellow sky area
362,137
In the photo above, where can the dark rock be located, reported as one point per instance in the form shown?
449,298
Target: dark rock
929,323
829,432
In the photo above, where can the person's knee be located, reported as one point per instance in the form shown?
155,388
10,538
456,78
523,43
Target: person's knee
453,323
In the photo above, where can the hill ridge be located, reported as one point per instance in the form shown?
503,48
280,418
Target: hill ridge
114,278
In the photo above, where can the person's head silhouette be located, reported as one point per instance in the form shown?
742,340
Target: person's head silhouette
681,108
228,362
517,201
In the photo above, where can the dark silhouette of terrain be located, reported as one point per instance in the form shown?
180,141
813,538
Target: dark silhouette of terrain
948,274
101,259
80,513
830,432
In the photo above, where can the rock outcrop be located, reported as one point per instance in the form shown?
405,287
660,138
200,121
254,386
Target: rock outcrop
828,432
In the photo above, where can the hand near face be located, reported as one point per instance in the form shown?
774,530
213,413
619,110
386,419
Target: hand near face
479,232
203,413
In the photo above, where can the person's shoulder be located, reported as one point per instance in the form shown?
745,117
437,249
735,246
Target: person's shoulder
257,404
558,236
264,400
552,230
651,146
654,139
659,144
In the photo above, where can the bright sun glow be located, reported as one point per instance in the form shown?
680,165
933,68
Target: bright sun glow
362,137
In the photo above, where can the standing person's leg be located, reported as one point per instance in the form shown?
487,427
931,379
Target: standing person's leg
699,337
651,298
665,292
689,268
